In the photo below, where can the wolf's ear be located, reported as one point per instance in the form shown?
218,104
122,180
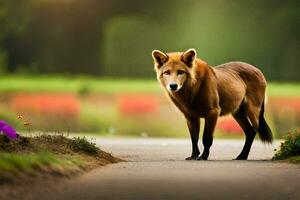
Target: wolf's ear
189,57
159,58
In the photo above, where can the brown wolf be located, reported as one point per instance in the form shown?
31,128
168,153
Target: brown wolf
201,91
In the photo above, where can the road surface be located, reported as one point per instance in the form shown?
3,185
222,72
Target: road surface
156,169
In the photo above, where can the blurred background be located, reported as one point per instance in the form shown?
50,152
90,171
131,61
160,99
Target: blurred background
86,67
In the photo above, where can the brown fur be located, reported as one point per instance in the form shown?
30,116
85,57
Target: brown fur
235,88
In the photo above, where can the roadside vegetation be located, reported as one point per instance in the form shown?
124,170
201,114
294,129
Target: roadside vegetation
49,154
290,148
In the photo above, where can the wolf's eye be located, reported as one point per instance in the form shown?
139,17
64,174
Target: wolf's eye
180,72
167,72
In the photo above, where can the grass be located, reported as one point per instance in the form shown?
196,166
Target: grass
16,163
284,89
294,159
82,144
84,85
290,148
79,84
48,153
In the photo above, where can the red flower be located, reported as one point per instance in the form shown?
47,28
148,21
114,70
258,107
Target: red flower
46,104
137,103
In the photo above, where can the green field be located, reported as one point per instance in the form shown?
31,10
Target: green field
76,84
81,84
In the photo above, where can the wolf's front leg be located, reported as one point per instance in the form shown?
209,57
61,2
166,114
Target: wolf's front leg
194,126
209,127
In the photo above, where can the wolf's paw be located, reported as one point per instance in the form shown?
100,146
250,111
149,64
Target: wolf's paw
191,158
202,157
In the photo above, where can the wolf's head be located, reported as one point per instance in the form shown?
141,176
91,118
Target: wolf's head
174,69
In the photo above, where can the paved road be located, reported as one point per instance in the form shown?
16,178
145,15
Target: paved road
156,170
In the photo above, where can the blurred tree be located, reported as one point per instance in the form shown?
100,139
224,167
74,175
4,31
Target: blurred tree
115,37
14,17
261,33
68,35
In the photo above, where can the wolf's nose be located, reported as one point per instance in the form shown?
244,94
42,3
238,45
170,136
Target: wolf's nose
173,86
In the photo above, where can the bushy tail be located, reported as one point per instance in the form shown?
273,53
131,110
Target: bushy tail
264,130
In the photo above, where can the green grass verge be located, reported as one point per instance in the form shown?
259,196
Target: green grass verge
50,153
21,162
83,85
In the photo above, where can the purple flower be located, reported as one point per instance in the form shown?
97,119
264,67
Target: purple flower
8,130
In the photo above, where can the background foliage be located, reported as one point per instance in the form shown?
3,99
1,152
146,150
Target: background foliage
115,38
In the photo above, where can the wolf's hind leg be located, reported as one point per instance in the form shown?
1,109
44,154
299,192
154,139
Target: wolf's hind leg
252,110
250,132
